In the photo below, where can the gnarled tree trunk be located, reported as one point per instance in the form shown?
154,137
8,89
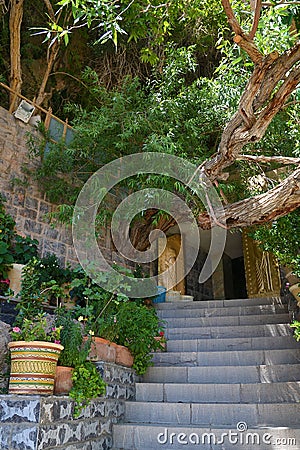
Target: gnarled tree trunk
15,22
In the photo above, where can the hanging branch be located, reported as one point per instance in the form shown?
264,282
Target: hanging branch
266,207
269,159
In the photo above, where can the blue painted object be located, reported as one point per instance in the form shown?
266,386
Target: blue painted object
161,297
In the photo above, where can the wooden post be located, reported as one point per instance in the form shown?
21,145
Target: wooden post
48,118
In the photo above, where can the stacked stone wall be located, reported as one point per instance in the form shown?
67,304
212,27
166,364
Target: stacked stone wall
48,422
28,205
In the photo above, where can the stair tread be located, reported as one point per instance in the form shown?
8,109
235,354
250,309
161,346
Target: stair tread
225,321
222,311
227,361
219,393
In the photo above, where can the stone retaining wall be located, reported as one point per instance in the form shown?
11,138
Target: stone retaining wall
28,205
48,423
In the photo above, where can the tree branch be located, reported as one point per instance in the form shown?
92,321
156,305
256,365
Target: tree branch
269,159
256,19
266,207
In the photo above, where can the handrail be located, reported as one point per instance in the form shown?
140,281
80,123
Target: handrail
48,112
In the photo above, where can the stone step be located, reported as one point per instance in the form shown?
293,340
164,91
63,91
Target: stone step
223,374
226,321
222,311
228,358
280,329
218,393
138,436
219,303
209,414
258,343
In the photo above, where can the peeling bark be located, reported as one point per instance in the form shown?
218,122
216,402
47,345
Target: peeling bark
273,80
266,207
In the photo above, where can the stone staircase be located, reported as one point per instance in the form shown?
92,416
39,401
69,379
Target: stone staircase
230,379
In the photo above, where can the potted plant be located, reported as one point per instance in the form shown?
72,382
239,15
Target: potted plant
15,250
75,351
126,329
76,376
137,328
35,349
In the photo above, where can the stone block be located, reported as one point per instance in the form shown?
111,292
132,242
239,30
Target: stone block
59,434
19,199
51,233
29,213
31,226
95,409
55,409
114,408
31,203
24,437
90,430
166,413
19,409
4,339
5,435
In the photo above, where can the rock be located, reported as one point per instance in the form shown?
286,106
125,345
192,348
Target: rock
4,368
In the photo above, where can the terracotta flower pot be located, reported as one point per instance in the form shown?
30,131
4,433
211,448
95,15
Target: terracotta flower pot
123,355
63,380
102,350
33,367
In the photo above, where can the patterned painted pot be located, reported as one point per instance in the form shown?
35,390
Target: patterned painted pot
33,367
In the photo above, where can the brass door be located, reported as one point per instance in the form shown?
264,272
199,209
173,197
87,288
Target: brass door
262,270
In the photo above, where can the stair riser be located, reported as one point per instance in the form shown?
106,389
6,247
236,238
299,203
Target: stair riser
220,393
138,437
226,321
229,358
276,414
219,303
205,345
229,332
225,374
215,312
227,361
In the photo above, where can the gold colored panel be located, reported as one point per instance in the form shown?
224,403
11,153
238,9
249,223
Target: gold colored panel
167,260
262,270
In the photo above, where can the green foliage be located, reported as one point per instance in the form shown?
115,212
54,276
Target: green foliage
6,259
87,384
136,327
116,318
296,325
42,279
24,249
282,238
75,350
166,116
13,247
38,328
